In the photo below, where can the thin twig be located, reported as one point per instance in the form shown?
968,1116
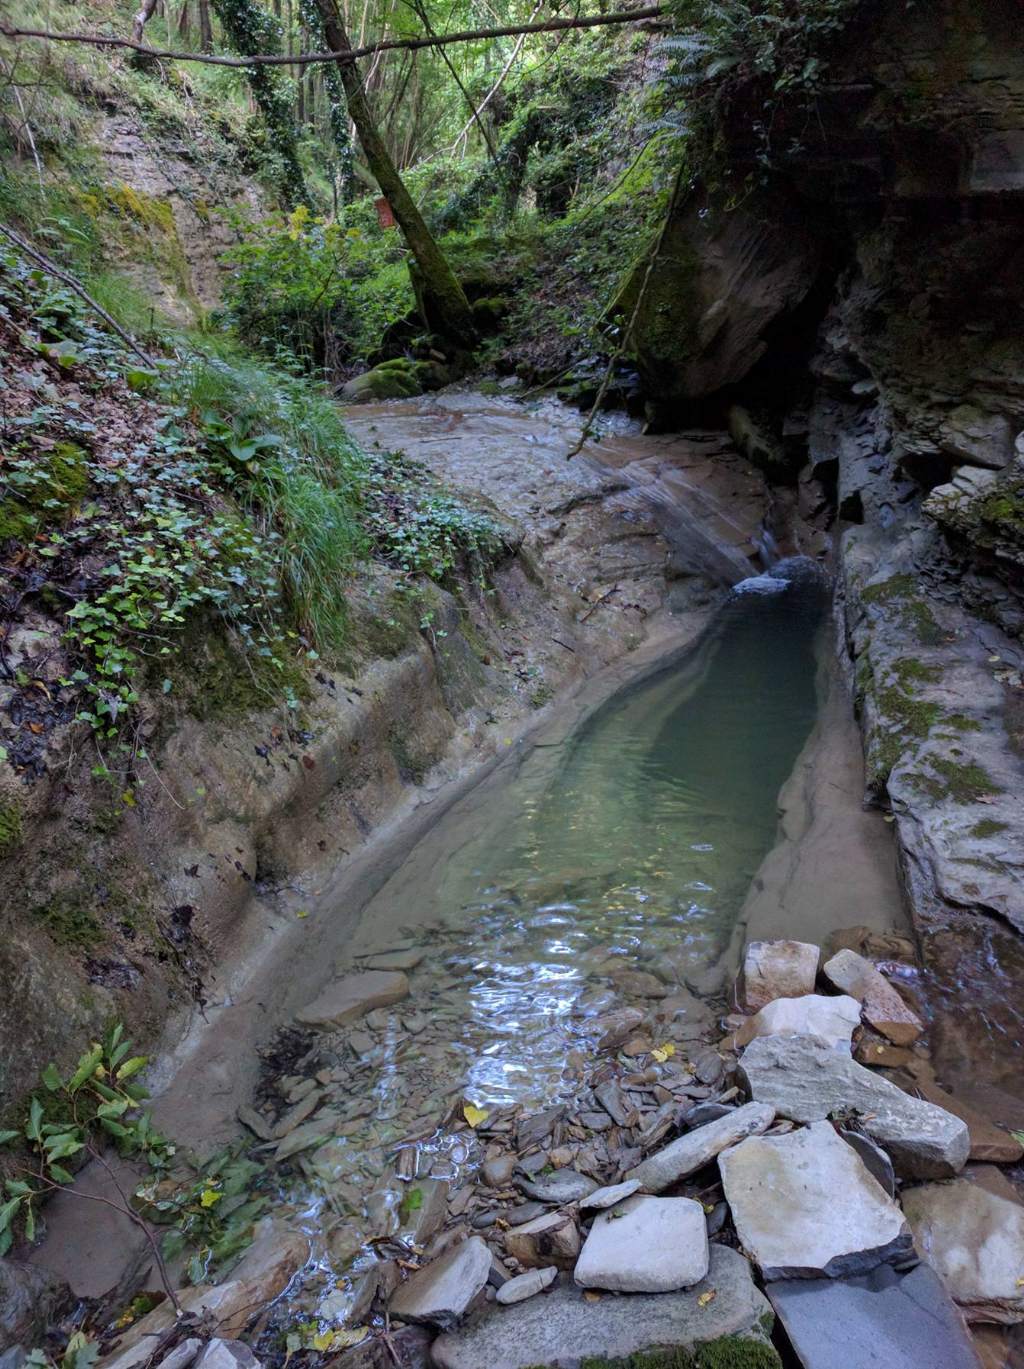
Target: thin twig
78,288
102,40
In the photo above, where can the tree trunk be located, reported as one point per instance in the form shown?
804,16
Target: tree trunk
205,27
442,299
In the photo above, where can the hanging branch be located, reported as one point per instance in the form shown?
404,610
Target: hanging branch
627,334
100,40
78,288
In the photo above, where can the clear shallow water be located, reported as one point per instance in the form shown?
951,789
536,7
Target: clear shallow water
604,870
634,847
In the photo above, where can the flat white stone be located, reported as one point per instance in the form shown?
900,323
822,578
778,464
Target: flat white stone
442,1291
698,1148
526,1285
614,1193
646,1245
805,1206
833,1019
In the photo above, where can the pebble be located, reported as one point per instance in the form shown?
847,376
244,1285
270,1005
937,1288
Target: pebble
526,1285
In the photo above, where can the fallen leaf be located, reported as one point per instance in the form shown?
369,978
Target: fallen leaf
707,1297
663,1053
209,1196
302,912
591,1297
474,1115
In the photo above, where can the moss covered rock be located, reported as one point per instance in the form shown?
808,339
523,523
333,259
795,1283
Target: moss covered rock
720,277
390,380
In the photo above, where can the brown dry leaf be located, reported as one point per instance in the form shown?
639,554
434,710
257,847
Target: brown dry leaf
707,1297
591,1297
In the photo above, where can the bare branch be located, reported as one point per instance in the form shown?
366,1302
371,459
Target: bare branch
101,40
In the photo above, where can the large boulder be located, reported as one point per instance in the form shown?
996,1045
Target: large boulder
805,1206
722,276
724,1314
806,1081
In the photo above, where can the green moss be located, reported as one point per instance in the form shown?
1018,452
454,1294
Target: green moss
963,783
987,827
69,919
10,828
909,670
959,722
737,1352
48,501
914,609
914,716
211,677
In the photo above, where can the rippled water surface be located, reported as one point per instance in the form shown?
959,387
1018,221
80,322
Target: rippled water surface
605,869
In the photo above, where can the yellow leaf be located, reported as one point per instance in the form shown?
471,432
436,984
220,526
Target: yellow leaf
474,1115
663,1053
591,1297
302,912
322,1342
209,1196
707,1297
343,1339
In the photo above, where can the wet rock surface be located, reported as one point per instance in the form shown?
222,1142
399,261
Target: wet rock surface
805,1205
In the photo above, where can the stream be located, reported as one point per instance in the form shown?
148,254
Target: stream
609,871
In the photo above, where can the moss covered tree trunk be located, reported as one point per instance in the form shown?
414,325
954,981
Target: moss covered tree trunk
250,29
442,299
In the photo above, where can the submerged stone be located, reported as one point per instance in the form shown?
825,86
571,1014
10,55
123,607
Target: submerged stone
352,996
564,1329
806,1081
698,1148
805,1206
881,1320
645,1245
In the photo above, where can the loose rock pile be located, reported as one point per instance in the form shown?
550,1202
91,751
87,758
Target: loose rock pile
645,1215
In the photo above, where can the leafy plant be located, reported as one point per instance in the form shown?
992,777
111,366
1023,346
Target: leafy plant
69,1121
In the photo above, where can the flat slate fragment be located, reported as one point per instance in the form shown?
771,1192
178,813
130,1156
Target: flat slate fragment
646,1245
806,1081
700,1146
805,1206
561,1329
881,1320
352,996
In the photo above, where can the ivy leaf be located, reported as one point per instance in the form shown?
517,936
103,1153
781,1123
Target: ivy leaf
51,1077
86,1067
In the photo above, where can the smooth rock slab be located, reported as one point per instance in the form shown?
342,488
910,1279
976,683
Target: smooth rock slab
805,1206
353,996
526,1285
563,1186
442,1291
778,969
833,1019
646,1245
974,1240
882,1005
806,1081
698,1148
562,1329
608,1197
881,1320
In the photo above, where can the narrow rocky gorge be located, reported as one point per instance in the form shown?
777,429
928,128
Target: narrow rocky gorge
611,958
